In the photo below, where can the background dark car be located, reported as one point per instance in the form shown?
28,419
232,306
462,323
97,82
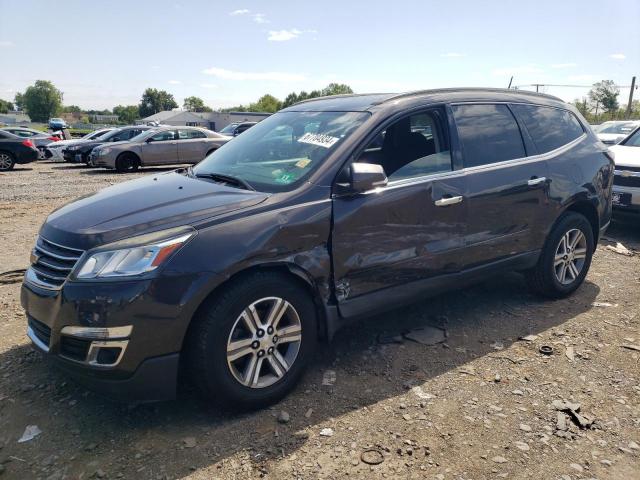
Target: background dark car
57,124
79,152
236,128
14,149
40,139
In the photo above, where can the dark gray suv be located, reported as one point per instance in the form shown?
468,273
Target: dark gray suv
328,211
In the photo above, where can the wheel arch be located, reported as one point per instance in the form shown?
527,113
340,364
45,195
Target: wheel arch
288,269
589,211
132,153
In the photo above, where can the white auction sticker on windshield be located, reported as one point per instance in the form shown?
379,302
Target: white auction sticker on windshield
326,141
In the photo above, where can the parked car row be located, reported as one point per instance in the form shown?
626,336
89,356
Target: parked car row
626,180
38,138
613,132
128,148
15,150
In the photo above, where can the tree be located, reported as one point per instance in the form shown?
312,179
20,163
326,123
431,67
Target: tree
266,103
5,106
582,106
71,109
331,89
41,101
18,101
154,101
604,94
336,89
127,113
195,104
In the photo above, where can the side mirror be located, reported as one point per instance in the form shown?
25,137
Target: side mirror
367,176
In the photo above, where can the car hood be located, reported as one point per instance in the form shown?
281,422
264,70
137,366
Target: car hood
611,136
145,205
626,156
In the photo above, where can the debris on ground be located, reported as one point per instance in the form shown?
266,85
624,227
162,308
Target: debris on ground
372,456
631,347
426,335
189,442
388,338
31,432
546,349
572,410
603,304
569,353
529,338
283,417
329,378
620,249
12,276
326,432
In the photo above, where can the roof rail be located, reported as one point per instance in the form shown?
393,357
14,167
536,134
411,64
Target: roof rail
467,89
342,95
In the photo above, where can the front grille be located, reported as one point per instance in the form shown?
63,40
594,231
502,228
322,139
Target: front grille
40,330
74,348
53,263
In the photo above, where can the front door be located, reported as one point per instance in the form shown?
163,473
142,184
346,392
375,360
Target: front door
161,149
400,236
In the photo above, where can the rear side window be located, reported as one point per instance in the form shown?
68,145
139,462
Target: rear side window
488,134
550,128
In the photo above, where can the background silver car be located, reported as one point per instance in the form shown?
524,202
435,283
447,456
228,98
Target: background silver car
161,146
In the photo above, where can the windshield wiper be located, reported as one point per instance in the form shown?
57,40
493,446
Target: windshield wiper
235,181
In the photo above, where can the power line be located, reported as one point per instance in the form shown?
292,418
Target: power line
560,85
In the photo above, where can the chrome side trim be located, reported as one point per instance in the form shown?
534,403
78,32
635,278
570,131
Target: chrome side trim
626,173
32,336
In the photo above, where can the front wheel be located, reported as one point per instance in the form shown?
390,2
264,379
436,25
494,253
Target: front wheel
127,162
6,161
565,258
250,345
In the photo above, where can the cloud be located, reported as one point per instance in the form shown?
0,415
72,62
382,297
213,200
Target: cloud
452,55
175,82
522,69
259,18
283,35
268,76
6,43
564,65
242,11
208,85
618,56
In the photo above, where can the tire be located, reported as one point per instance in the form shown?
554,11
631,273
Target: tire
42,153
7,161
127,162
547,277
218,376
210,152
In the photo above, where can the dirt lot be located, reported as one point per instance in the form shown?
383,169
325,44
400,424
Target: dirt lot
478,405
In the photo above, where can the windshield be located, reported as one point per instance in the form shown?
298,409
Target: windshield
96,134
618,128
140,136
278,153
632,140
229,128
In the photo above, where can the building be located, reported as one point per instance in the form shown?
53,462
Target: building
104,118
14,118
211,120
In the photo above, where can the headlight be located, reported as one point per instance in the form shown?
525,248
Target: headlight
125,262
103,151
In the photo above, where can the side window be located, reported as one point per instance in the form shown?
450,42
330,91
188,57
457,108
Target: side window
488,134
163,136
550,128
190,134
411,147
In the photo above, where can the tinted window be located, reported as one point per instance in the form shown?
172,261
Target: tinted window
163,136
188,134
412,147
550,128
632,140
488,134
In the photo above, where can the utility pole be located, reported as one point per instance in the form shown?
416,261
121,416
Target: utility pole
512,81
633,86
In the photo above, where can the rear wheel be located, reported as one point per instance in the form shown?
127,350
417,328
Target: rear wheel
42,154
249,346
6,161
127,162
565,259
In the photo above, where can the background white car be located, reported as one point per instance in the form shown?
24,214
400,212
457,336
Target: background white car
626,182
53,151
614,131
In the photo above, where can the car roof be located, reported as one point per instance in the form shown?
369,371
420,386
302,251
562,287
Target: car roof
368,102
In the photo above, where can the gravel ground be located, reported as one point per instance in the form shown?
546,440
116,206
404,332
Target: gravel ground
476,404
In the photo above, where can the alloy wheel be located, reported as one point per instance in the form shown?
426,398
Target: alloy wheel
5,161
41,153
264,342
570,256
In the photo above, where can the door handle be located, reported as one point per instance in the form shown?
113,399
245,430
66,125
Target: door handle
443,202
536,181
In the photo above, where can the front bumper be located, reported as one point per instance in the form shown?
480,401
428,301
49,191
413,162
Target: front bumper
140,362
73,156
626,199
104,161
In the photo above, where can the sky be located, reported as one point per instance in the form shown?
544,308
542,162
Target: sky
101,54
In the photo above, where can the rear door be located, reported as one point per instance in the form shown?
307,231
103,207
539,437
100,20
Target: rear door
191,145
161,148
397,237
507,192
